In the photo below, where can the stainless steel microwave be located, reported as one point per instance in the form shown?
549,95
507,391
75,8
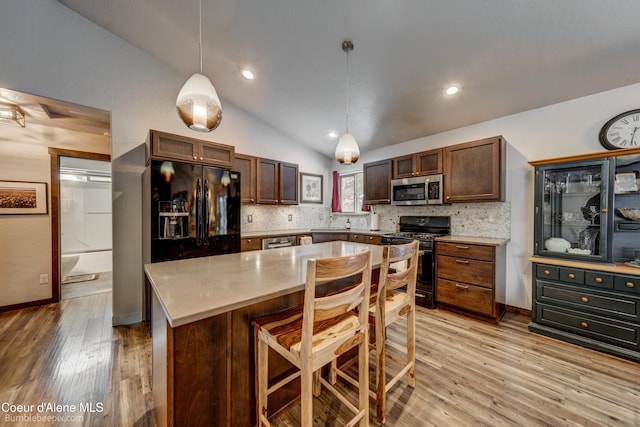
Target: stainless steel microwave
423,190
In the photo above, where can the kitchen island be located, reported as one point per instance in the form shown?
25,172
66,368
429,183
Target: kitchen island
202,340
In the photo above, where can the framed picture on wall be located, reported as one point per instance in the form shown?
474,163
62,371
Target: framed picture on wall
23,198
310,188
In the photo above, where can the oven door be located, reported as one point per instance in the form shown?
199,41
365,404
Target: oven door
425,286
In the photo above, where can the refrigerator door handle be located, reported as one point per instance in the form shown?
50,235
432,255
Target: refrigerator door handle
205,207
198,213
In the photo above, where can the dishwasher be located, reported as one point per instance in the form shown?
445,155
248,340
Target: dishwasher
278,242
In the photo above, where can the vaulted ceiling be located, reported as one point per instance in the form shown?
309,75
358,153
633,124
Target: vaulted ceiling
508,56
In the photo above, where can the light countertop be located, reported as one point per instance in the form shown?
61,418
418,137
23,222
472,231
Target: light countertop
487,241
274,233
198,288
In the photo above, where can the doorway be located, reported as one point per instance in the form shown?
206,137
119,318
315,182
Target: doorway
78,210
85,227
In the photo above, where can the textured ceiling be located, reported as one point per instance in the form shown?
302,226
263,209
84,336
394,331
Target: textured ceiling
509,56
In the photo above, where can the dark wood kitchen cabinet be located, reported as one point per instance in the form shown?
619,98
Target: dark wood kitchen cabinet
471,276
475,171
250,244
319,237
377,182
418,164
166,146
247,166
277,182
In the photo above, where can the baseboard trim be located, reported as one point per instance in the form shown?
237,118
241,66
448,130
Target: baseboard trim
26,304
519,310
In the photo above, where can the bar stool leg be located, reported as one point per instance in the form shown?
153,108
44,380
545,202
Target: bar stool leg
306,390
381,372
411,346
262,379
363,379
317,387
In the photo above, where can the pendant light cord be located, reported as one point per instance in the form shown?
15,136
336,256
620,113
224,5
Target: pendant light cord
347,91
200,34
347,46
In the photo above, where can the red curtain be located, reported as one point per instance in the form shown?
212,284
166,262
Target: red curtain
335,195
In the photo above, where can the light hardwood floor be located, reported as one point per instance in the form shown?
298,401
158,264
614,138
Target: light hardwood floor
470,373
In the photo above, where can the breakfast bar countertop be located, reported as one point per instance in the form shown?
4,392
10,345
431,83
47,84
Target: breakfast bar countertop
194,289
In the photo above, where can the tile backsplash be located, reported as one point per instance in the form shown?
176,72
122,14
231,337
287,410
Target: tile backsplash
467,219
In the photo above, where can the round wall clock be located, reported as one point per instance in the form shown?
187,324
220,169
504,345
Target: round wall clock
622,131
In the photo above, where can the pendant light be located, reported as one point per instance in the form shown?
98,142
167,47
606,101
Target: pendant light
198,104
347,151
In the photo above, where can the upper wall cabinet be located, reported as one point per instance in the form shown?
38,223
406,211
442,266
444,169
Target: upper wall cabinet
475,171
277,182
377,182
247,166
418,164
165,146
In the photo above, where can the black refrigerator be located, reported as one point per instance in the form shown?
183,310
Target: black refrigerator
194,210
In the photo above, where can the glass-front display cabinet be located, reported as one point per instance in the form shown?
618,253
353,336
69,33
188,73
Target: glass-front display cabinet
572,202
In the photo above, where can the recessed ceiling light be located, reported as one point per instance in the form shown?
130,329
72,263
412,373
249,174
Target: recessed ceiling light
452,90
332,135
248,75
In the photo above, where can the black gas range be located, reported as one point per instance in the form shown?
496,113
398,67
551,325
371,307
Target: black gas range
424,229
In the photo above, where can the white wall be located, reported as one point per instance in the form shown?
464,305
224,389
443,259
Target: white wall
51,51
563,129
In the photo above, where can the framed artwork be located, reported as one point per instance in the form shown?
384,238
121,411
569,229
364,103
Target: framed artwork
310,188
23,198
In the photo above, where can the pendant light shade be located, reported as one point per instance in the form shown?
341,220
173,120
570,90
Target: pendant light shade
198,104
347,151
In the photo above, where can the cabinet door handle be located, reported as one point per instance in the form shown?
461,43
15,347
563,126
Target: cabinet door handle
584,299
572,276
629,285
195,157
604,210
459,286
599,280
547,272
584,324
248,240
462,247
462,261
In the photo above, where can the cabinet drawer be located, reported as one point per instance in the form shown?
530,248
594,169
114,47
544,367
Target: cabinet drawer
571,275
627,284
589,325
548,272
356,238
580,299
462,295
252,244
465,270
462,250
598,279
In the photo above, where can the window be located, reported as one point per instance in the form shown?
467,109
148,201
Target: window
351,192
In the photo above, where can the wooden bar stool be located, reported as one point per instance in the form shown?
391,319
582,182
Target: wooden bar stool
391,304
317,333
